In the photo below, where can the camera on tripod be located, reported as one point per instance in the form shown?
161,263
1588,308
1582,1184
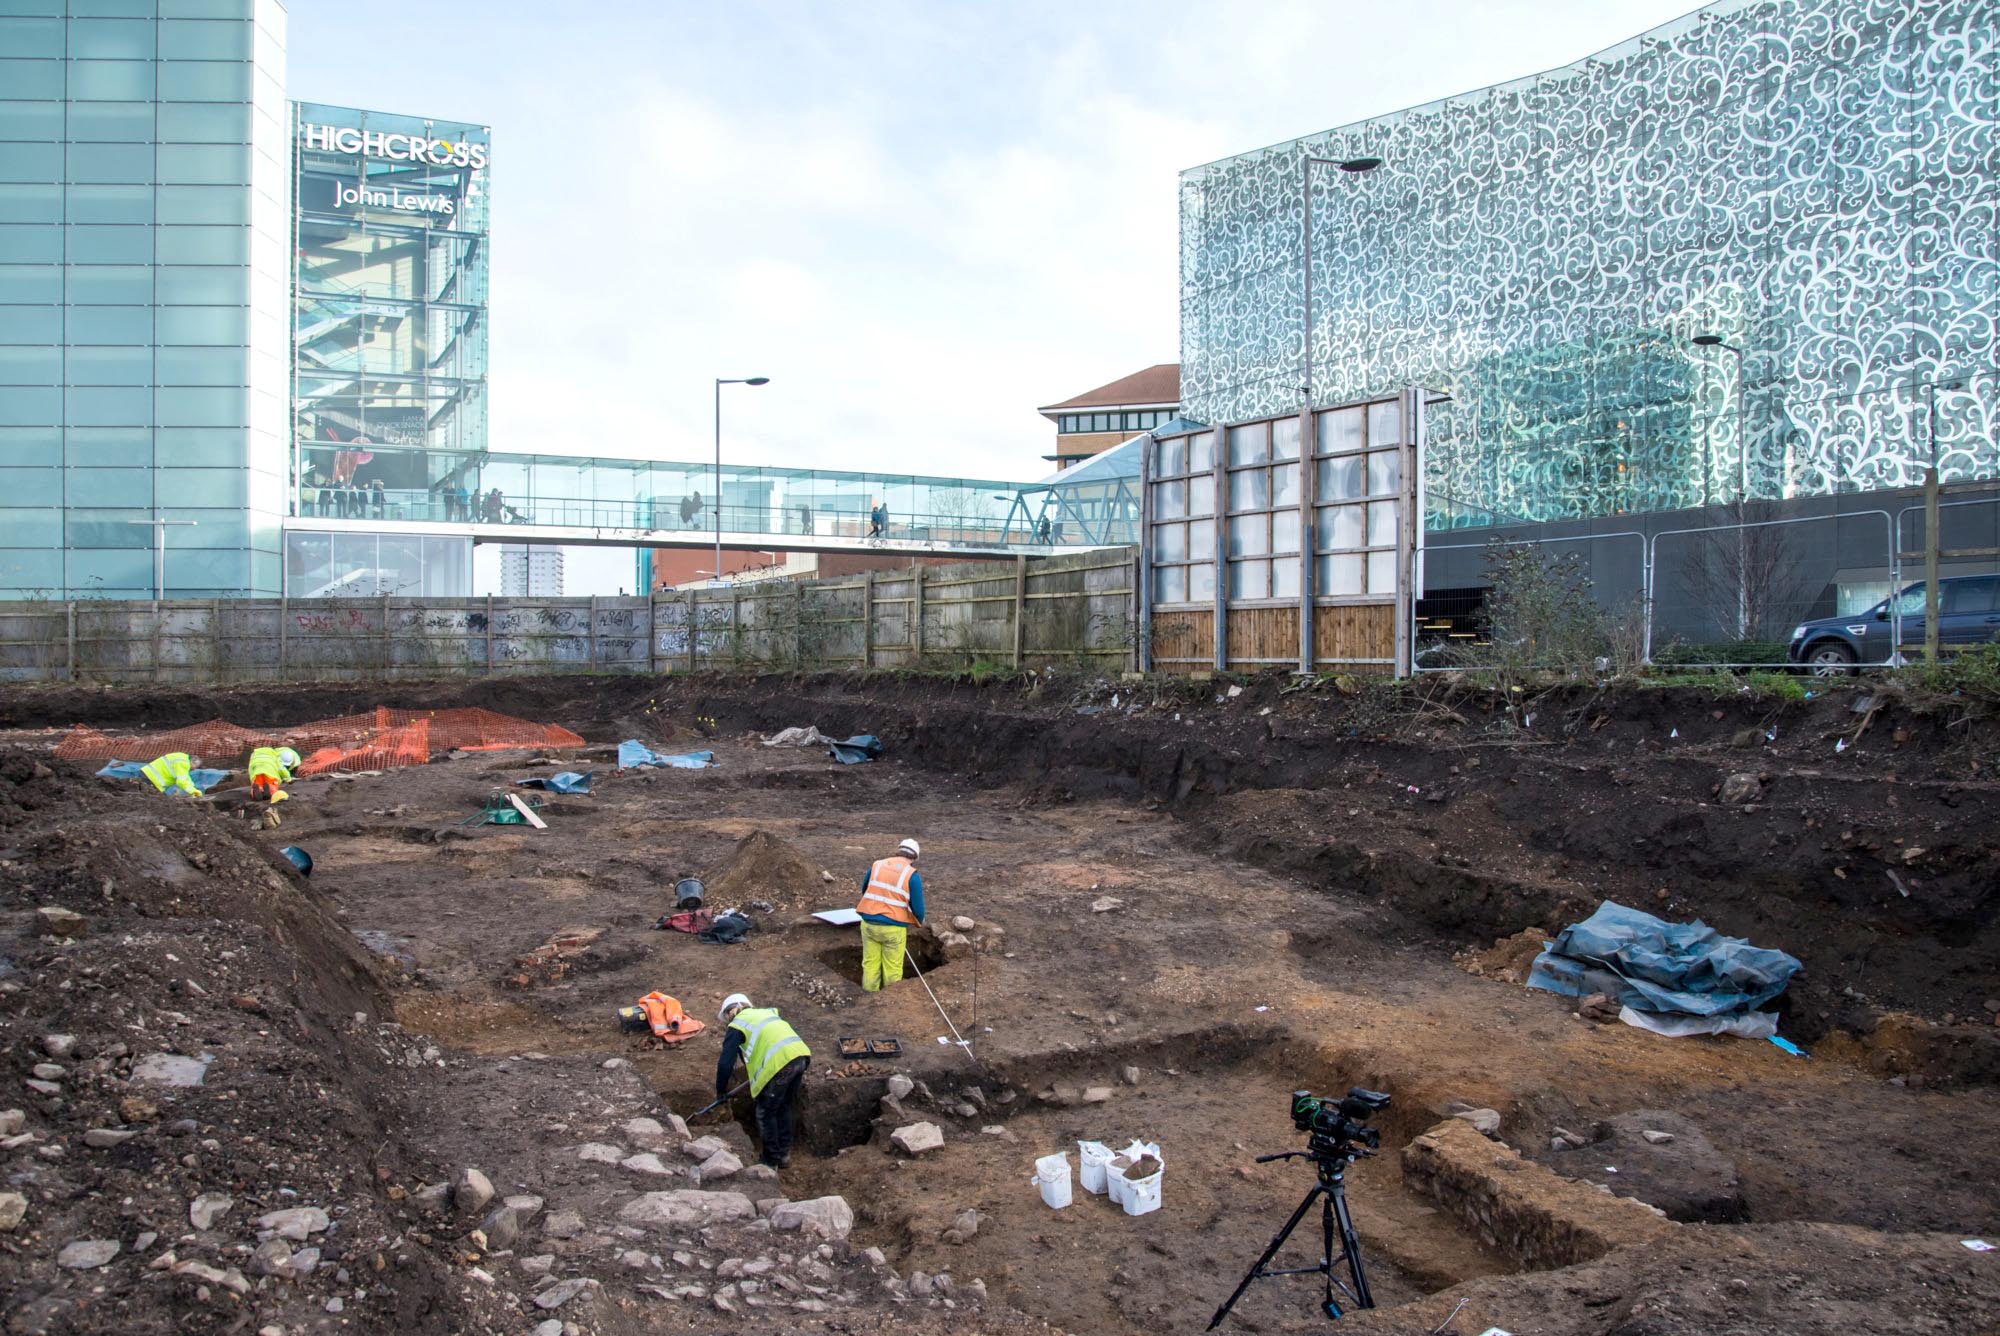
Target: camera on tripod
1337,1129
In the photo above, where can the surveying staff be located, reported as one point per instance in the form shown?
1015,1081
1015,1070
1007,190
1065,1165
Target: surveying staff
892,903
172,773
270,767
776,1060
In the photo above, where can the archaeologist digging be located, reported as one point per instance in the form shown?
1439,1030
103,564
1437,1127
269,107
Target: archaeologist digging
172,773
892,903
775,1058
271,767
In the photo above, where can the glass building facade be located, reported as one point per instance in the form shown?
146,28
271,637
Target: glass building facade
145,230
1813,186
389,334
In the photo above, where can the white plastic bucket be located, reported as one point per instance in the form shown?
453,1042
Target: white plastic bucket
1135,1196
1143,1194
1052,1177
1092,1157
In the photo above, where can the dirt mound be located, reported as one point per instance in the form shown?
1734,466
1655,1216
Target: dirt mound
1508,959
764,867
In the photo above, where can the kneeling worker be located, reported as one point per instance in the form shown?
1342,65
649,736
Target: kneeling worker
271,767
172,773
775,1058
892,903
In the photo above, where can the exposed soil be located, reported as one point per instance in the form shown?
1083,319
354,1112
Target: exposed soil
1292,874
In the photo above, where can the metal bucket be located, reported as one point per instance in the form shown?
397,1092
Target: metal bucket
688,893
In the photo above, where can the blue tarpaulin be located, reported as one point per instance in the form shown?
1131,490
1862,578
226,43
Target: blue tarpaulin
568,781
633,753
1651,965
861,747
203,779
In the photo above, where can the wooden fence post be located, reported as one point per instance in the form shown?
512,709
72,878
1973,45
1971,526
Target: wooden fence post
1020,603
917,610
284,631
592,633
799,622
69,616
489,635
652,632
868,621
693,639
388,666
735,627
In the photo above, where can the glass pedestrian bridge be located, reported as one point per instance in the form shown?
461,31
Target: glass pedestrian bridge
527,498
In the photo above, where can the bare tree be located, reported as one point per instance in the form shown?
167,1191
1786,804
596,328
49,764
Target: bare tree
1745,574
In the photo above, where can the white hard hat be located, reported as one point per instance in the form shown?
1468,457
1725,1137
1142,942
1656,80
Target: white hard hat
288,758
909,847
733,1000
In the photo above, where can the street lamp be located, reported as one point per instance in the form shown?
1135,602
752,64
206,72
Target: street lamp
747,380
1353,167
160,552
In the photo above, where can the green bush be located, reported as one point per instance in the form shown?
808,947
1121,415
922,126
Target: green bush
1972,674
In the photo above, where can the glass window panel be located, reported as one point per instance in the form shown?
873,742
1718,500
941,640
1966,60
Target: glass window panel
1340,478
204,245
108,447
1249,536
1170,584
30,120
27,37
110,204
197,39
1340,430
113,487
110,163
130,122
108,405
31,325
198,285
1284,531
111,80
205,164
30,366
1339,528
1250,445
1249,579
201,366
1170,500
1382,523
110,366
98,244
211,407
111,324
1201,451
1170,542
204,325
109,284
204,123
215,489
1170,457
32,80
30,202
1381,572
1201,540
31,162
205,81
37,446
25,406
1201,494
1285,577
111,39
1339,575
30,284
1250,489
31,243
1285,438
1097,422
1285,485
1385,472
212,447
1385,423
1201,582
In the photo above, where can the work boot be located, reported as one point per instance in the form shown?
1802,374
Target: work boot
775,1161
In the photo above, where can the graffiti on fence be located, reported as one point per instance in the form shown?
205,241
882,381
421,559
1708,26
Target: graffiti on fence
349,619
712,629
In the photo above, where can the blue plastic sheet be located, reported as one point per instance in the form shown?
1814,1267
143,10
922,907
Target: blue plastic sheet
568,781
1648,964
632,753
203,779
853,751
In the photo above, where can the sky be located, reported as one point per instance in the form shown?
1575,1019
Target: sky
921,220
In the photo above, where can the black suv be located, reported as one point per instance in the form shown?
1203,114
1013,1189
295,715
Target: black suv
1968,614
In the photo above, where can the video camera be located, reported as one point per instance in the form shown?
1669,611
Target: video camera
1336,1129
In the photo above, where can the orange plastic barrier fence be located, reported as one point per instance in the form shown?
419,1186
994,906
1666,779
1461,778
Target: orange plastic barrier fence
382,739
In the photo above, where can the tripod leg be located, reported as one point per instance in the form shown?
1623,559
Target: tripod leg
1329,1305
1258,1266
1352,1243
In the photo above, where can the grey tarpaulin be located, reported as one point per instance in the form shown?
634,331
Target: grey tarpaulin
852,751
1651,965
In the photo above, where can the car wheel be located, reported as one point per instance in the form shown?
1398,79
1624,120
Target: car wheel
1830,658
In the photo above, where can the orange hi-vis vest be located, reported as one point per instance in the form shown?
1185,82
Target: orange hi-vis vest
888,892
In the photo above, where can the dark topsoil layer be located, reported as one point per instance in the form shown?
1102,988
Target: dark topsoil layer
1874,864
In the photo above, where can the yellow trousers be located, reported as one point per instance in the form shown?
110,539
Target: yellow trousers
881,955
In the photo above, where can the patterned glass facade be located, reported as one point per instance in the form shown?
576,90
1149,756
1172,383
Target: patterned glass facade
144,229
1813,183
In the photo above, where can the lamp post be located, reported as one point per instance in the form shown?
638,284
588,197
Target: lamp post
747,380
159,527
1354,167
1742,485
